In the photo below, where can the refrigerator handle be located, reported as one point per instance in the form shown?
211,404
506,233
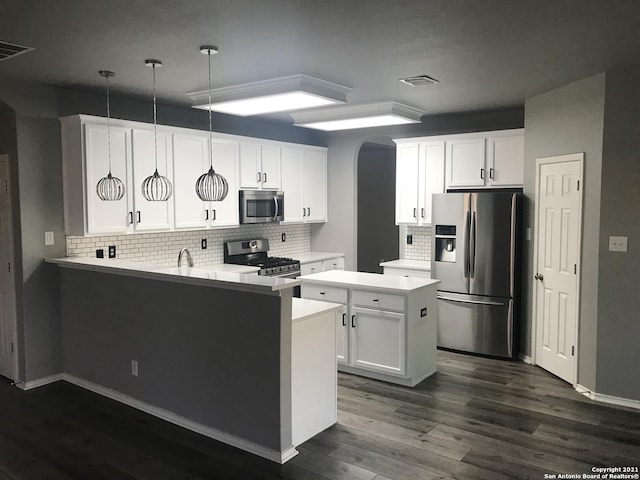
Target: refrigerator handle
467,228
472,246
512,266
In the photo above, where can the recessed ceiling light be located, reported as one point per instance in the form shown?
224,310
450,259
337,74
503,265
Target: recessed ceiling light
346,117
293,92
419,80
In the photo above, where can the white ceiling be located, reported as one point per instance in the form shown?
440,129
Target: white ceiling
487,54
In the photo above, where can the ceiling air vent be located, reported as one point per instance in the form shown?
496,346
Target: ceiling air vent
9,50
419,80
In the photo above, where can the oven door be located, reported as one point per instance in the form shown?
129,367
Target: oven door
261,206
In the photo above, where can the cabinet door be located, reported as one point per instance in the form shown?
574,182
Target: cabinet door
342,336
292,167
250,166
151,215
407,181
270,156
377,340
225,162
433,154
465,163
315,186
309,268
189,162
107,216
505,160
333,264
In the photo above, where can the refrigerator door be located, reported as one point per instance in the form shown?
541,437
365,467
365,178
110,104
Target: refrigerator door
492,244
450,237
476,324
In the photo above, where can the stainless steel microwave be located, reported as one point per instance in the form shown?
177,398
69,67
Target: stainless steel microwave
261,206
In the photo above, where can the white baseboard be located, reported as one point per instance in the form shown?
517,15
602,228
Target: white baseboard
525,359
40,382
610,399
241,443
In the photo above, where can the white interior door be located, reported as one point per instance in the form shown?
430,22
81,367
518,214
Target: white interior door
558,227
7,287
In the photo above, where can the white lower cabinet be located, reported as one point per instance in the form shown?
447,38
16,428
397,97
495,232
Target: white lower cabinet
377,341
309,268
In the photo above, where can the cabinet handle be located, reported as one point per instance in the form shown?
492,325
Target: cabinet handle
139,216
422,212
130,218
491,173
206,214
308,211
215,215
321,293
376,300
353,321
304,212
259,176
482,173
264,178
344,319
415,210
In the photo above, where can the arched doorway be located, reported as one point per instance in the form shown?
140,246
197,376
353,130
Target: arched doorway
377,232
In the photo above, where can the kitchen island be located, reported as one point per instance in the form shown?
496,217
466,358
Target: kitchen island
208,350
388,328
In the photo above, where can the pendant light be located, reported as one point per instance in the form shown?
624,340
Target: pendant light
156,188
211,186
109,188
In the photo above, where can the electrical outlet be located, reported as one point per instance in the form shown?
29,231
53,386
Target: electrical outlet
48,238
100,253
618,244
409,239
203,244
112,251
284,237
134,368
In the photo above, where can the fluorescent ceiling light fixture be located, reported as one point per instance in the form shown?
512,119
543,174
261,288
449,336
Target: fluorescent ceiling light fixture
346,117
282,94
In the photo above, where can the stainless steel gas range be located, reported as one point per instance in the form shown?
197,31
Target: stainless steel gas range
254,253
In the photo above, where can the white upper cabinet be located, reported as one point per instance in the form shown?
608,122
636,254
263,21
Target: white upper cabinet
304,183
225,162
260,166
151,215
107,216
419,174
190,160
485,159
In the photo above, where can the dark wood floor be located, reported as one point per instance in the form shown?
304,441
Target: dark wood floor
476,418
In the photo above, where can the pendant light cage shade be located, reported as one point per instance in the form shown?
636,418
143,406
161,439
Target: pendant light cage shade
212,187
109,188
157,188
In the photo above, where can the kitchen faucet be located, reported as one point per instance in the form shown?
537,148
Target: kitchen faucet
189,259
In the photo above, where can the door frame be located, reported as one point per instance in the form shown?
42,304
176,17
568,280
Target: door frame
571,157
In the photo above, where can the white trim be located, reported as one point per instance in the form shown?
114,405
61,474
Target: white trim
40,382
526,359
238,442
609,399
572,157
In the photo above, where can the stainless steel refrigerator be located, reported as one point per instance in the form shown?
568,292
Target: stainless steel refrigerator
476,257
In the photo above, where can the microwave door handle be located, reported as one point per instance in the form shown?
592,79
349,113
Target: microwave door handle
275,201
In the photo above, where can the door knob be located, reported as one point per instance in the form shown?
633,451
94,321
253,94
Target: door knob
539,277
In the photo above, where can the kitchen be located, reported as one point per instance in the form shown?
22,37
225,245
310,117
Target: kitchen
574,101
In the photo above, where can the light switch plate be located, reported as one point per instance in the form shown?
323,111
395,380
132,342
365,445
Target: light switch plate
48,238
618,244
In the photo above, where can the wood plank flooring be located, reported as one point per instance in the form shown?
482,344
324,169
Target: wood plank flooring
477,418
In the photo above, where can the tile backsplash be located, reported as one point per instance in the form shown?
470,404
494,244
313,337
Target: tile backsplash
420,249
162,248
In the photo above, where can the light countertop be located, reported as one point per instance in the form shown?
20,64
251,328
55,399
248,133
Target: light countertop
370,281
235,277
422,265
302,308
309,257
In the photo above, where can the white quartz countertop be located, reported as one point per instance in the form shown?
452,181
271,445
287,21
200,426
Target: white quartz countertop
235,277
370,281
302,308
422,265
310,257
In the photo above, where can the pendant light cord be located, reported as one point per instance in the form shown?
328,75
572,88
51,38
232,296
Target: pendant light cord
108,125
210,127
155,128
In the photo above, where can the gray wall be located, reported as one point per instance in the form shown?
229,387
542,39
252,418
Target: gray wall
618,354
340,233
208,354
568,120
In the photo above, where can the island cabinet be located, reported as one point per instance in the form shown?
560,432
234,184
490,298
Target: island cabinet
388,327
